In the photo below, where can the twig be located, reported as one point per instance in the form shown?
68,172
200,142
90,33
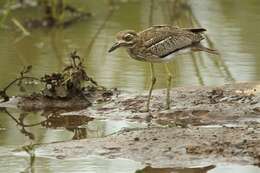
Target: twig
19,79
20,26
21,123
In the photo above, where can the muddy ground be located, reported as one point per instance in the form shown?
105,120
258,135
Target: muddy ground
205,125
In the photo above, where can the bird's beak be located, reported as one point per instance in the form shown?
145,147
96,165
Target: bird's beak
115,46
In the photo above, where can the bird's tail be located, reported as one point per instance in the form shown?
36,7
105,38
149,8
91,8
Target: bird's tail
200,47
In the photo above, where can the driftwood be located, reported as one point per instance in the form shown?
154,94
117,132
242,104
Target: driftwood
71,88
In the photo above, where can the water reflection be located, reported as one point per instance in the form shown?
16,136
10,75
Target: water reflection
221,168
53,119
185,17
93,37
17,127
73,123
30,150
86,165
150,169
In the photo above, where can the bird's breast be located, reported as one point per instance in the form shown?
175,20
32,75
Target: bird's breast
136,54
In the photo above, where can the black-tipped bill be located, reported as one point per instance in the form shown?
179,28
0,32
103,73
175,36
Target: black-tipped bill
114,47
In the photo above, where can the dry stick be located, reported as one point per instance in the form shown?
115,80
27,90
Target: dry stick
3,92
20,78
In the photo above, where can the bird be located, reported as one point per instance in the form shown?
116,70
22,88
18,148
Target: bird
161,44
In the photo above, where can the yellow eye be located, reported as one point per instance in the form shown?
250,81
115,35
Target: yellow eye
128,37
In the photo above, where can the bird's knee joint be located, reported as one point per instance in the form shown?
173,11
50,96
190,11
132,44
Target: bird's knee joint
153,79
170,77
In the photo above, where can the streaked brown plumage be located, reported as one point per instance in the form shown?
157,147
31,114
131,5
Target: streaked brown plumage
161,43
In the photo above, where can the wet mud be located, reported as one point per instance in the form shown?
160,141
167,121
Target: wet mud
205,126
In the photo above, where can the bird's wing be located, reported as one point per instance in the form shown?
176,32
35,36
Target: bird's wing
161,41
155,34
196,30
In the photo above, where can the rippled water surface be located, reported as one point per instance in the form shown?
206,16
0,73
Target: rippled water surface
233,29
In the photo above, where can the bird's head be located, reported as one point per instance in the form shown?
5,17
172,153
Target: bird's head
124,39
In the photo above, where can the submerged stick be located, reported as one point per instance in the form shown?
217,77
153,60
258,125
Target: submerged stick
20,26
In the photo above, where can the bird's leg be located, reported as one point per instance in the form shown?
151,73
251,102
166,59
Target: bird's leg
169,82
153,80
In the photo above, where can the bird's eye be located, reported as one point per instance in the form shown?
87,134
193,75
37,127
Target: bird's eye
128,37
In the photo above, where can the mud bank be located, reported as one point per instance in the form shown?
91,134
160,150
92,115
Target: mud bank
228,104
206,125
170,147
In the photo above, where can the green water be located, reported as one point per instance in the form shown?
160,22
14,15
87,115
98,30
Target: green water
233,28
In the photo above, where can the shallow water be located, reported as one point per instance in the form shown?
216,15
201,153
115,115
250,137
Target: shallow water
232,27
92,164
233,31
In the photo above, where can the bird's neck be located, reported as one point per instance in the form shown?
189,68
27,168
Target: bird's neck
134,52
131,49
